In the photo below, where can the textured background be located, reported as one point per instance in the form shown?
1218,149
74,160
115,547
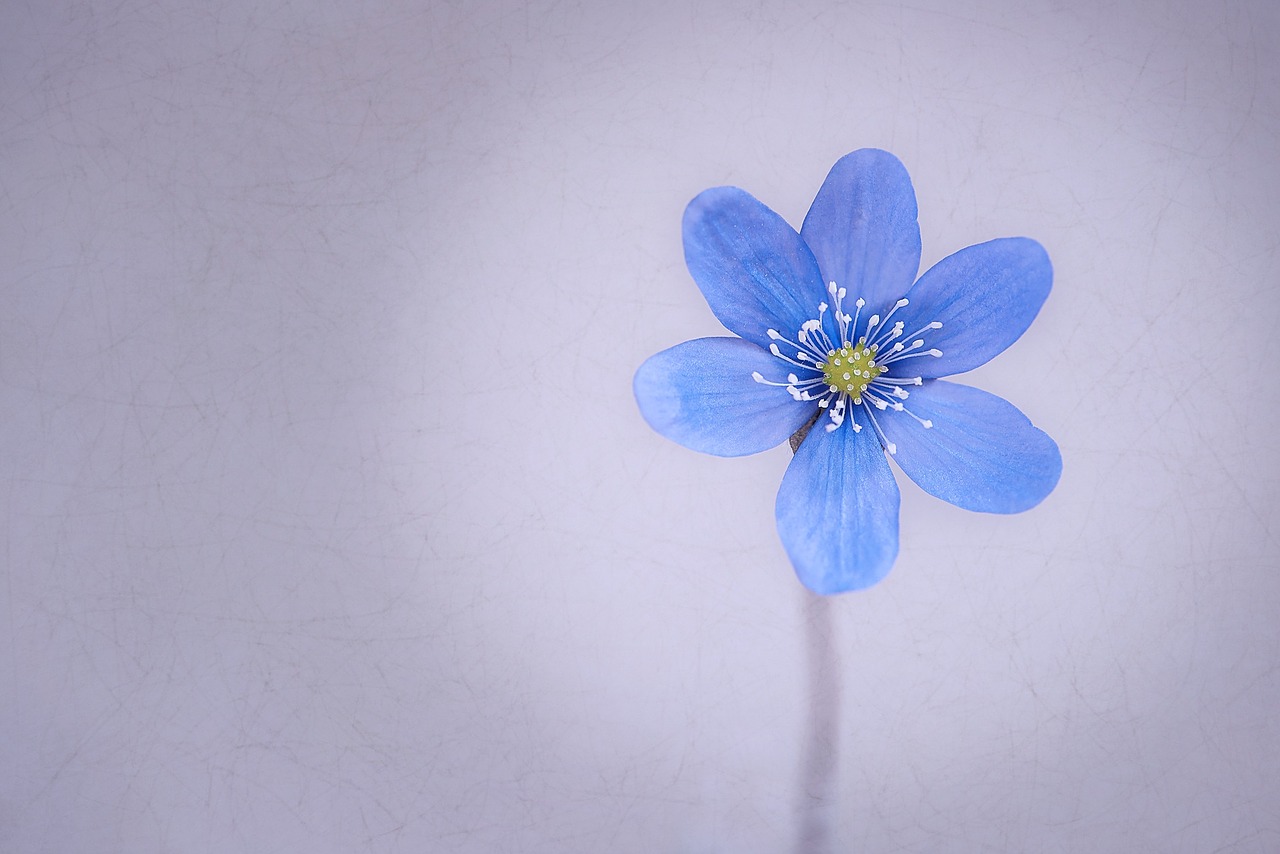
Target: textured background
330,523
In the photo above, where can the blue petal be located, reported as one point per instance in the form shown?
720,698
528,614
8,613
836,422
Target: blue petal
985,296
837,509
981,453
701,394
862,228
755,271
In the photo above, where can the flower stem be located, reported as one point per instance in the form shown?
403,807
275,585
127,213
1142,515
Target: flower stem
798,436
818,772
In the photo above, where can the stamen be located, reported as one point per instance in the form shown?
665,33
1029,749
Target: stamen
824,341
842,319
836,414
932,325
934,352
839,374
792,381
924,422
871,324
897,305
775,350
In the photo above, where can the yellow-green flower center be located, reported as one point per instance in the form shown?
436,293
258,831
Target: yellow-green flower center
851,369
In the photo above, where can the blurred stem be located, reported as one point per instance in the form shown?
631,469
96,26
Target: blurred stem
818,771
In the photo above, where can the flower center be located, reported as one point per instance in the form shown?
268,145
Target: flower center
851,369
839,374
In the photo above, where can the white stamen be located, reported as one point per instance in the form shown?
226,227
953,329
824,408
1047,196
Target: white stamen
775,350
866,380
897,305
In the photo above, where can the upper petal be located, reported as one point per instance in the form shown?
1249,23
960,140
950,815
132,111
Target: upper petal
981,452
985,296
701,394
837,509
862,227
753,268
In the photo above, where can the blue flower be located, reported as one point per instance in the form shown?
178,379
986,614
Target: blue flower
834,325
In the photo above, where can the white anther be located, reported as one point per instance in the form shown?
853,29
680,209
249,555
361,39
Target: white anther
935,352
774,334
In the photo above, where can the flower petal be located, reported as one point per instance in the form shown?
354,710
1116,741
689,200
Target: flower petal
862,228
755,271
701,395
985,296
982,453
837,510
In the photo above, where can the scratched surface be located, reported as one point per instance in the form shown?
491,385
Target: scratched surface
330,524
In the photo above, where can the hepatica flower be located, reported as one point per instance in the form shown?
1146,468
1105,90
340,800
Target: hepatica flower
834,324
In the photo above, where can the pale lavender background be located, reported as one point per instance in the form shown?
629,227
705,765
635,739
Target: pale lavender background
330,524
